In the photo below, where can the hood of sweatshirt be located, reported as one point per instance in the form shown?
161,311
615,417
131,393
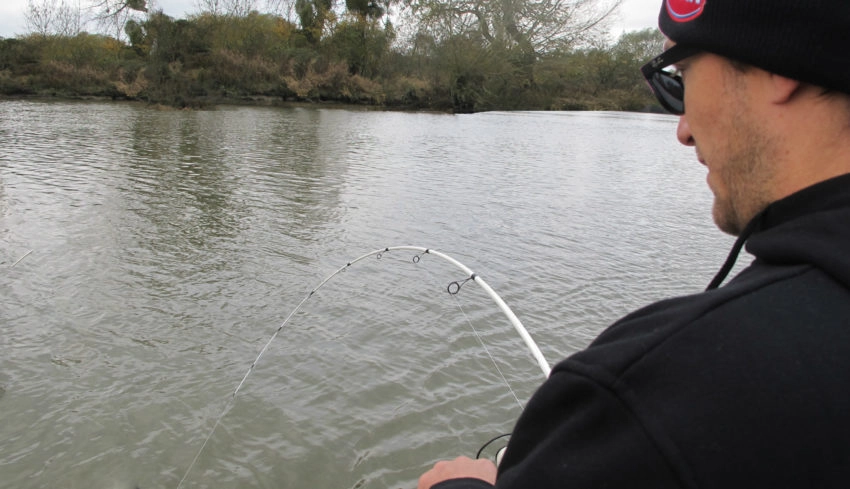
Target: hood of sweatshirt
810,227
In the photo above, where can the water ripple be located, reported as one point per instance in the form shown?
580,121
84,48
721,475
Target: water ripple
167,247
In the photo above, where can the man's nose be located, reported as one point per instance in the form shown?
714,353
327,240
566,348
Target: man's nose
683,132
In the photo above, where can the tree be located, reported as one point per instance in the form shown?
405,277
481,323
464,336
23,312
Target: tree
631,51
314,14
115,7
369,9
360,39
112,15
213,7
639,45
238,8
362,43
48,17
283,8
495,44
535,26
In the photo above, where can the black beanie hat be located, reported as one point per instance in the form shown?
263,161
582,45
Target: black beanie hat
806,40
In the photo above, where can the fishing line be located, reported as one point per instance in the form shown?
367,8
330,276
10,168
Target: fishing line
453,289
483,345
21,258
454,293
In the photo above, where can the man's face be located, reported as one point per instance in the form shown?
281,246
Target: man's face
722,123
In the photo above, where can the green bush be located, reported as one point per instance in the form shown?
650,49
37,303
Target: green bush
187,62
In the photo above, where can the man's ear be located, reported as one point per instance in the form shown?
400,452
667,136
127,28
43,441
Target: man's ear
782,89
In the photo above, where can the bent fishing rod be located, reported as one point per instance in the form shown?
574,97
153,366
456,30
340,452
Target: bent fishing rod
453,288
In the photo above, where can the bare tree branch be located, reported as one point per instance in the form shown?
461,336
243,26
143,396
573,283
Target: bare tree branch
47,17
112,15
213,7
534,25
239,8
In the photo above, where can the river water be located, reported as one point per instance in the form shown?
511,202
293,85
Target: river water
147,256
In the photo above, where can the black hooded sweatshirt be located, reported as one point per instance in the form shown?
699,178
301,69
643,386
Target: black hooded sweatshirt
741,386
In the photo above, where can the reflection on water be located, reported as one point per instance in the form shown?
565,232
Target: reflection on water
168,246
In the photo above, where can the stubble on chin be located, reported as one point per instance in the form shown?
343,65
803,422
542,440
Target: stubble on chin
748,181
724,220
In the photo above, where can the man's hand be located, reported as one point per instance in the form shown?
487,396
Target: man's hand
459,468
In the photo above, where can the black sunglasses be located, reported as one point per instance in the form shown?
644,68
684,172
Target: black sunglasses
667,86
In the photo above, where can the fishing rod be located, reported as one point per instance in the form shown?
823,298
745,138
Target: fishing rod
453,289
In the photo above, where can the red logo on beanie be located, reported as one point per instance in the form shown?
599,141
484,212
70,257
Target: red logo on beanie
685,10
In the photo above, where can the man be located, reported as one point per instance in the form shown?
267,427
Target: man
748,384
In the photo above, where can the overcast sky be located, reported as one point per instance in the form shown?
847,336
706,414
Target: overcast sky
634,14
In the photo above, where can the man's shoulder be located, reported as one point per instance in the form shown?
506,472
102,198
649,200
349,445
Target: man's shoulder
764,306
734,373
